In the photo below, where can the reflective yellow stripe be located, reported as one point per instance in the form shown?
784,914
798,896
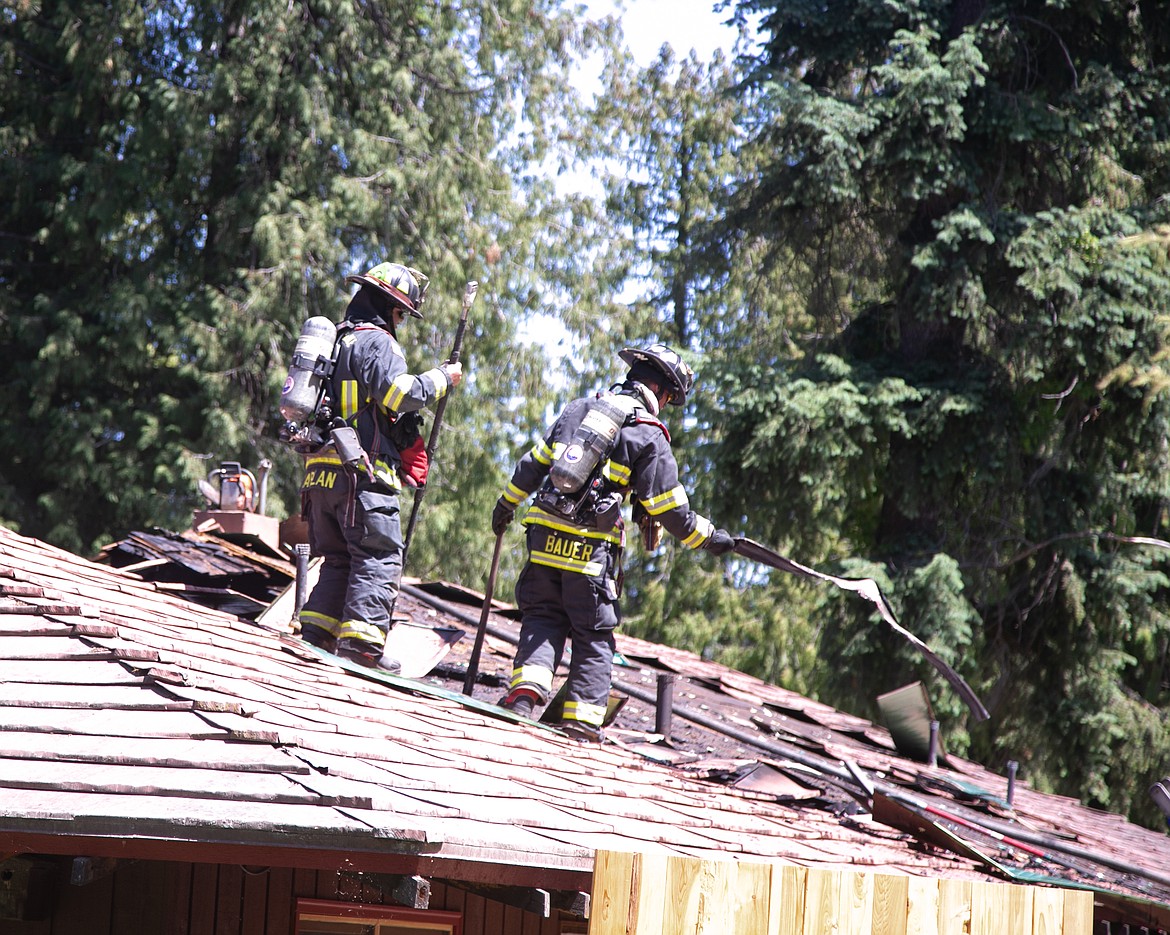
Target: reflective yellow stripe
349,398
584,713
321,621
360,630
438,377
402,385
540,676
559,562
618,473
325,457
538,517
514,494
703,529
387,475
542,453
666,501
383,469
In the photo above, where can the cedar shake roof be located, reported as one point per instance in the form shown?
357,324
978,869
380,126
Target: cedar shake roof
135,723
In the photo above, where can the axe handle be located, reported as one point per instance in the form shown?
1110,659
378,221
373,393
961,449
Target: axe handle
436,424
441,407
473,662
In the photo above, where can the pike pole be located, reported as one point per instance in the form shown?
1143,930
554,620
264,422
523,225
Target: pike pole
868,589
433,441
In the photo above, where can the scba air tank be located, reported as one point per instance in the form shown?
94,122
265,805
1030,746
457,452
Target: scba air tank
592,441
312,361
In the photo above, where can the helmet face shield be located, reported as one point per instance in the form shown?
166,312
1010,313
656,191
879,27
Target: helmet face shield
677,376
405,286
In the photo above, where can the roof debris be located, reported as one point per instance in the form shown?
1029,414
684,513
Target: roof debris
131,713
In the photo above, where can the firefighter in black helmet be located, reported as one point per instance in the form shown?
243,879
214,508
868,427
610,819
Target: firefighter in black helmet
352,509
569,588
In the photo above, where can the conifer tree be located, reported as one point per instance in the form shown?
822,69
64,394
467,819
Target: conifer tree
669,146
187,182
980,422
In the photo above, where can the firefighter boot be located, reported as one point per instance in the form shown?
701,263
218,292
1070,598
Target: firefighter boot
319,637
582,732
520,701
366,654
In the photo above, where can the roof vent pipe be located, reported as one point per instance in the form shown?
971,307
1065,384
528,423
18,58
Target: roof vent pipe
664,704
1160,793
933,760
302,587
1012,768
265,470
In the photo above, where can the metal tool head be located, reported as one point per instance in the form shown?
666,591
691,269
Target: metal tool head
469,294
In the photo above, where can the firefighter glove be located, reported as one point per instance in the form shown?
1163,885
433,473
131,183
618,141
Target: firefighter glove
720,542
651,528
415,464
453,371
502,516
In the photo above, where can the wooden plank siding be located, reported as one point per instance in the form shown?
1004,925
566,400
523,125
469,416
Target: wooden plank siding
639,894
171,898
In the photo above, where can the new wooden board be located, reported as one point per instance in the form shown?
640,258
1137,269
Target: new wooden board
684,896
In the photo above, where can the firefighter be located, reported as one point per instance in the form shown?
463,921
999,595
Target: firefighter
352,506
570,586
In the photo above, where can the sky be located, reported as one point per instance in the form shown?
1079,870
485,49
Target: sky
646,25
684,24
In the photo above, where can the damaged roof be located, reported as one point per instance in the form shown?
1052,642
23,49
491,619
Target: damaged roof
145,724
204,566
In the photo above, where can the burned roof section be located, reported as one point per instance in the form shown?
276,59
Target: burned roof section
205,567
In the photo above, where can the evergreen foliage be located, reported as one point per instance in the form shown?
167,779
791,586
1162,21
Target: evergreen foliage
187,182
918,252
977,191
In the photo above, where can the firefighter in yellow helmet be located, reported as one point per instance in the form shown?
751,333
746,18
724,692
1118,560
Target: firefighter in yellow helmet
352,509
600,450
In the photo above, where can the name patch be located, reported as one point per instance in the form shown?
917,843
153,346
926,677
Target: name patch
575,549
320,477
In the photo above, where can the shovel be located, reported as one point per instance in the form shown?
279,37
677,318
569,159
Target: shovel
418,647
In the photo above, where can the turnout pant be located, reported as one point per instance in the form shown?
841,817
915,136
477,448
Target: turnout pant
355,526
559,605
